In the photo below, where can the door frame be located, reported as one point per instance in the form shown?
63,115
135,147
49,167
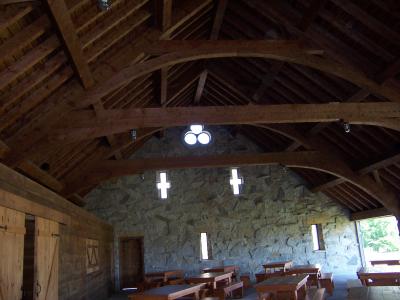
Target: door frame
126,238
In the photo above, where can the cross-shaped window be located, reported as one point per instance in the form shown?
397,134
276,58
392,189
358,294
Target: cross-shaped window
163,185
235,181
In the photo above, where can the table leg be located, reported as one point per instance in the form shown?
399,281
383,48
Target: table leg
295,295
196,296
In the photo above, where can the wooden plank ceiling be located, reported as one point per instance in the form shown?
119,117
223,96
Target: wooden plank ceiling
57,56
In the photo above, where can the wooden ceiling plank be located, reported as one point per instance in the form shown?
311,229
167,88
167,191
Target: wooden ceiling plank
35,98
27,84
369,20
32,58
24,37
91,15
13,13
111,38
111,23
67,30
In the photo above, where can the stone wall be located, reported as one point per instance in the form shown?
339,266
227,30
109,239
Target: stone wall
270,220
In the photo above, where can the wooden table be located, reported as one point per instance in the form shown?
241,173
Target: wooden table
211,278
281,265
221,269
293,285
393,262
382,275
164,275
169,292
313,270
374,293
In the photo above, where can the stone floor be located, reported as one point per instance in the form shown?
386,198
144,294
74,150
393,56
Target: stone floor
340,292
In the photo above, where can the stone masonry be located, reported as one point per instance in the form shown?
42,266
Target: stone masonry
270,220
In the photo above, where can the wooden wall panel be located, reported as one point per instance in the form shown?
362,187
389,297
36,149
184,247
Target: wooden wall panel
12,231
47,246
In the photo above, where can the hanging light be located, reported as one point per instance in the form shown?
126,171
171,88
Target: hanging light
197,135
104,4
204,138
196,129
190,138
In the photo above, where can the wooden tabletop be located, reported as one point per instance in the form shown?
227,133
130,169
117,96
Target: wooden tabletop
209,277
374,293
222,269
284,283
386,270
392,262
167,292
316,268
278,264
164,273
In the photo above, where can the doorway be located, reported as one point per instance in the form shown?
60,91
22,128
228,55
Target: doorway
131,262
29,258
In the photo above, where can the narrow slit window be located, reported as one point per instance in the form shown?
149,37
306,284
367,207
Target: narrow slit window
317,237
204,245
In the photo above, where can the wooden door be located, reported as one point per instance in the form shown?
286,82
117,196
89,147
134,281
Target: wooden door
46,259
131,262
12,231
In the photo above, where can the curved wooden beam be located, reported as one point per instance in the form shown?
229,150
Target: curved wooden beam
185,51
108,169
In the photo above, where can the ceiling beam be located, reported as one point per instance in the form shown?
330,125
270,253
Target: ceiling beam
85,124
67,30
178,51
371,213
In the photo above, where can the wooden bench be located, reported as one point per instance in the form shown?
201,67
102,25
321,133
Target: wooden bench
354,283
246,280
326,281
234,290
315,294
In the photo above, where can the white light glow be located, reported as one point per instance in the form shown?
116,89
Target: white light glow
204,138
235,182
163,185
196,129
190,138
203,243
314,233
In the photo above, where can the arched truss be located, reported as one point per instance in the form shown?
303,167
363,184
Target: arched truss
314,160
188,51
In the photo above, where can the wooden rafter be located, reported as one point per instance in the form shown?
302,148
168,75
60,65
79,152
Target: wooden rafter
185,51
64,23
363,171
216,28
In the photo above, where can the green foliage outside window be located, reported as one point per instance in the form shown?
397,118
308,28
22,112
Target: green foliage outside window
380,234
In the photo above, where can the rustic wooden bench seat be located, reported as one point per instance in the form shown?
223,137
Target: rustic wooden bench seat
326,281
234,289
315,294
